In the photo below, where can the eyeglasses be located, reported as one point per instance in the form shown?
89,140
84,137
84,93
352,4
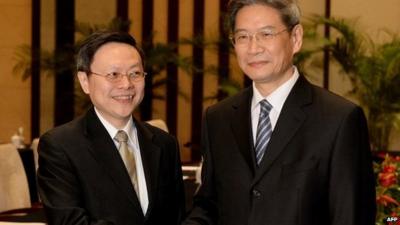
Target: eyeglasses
116,76
242,38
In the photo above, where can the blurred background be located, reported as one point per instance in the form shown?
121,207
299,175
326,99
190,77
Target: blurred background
189,59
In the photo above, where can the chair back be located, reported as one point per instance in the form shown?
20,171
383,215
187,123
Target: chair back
14,189
158,123
34,147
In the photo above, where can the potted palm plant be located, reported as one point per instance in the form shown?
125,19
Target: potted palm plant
374,71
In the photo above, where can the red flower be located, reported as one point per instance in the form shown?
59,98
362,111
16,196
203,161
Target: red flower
388,189
387,179
391,168
385,200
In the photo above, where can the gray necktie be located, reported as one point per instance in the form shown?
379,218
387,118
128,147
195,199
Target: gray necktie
264,130
128,157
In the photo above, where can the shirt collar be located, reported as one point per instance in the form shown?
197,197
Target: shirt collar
278,96
112,131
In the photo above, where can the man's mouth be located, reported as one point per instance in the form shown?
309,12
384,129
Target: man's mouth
123,97
257,63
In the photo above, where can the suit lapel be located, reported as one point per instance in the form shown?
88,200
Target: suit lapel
289,121
106,154
151,160
240,123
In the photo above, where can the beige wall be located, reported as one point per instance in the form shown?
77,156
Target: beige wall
372,15
15,103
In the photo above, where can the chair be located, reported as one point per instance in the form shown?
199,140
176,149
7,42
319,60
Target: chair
158,123
14,189
34,147
15,200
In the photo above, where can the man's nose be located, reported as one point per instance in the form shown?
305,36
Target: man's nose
125,81
254,46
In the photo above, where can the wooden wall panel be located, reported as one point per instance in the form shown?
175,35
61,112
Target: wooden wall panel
135,15
185,80
145,20
172,91
15,102
211,34
47,87
160,22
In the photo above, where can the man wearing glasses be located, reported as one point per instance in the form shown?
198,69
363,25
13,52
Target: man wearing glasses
282,151
106,167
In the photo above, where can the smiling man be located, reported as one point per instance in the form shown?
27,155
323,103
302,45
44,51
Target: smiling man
282,151
106,167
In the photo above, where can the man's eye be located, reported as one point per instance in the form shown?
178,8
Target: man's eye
266,34
113,75
242,37
135,74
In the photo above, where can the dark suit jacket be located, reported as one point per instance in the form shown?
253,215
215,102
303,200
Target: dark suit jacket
82,178
317,168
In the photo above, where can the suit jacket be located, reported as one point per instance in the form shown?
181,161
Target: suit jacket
82,178
316,170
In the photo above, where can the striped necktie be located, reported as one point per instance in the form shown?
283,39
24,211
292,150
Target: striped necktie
127,156
264,130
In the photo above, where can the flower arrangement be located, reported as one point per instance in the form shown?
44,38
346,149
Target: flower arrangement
387,172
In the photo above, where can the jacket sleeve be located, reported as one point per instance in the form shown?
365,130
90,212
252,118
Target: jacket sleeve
351,182
204,211
59,187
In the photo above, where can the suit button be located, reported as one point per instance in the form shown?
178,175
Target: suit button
256,193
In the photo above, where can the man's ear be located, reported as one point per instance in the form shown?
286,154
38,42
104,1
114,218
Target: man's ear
84,81
297,38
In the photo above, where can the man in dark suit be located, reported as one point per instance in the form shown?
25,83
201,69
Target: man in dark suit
283,151
106,167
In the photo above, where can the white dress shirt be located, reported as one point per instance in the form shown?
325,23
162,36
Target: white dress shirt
277,98
133,143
